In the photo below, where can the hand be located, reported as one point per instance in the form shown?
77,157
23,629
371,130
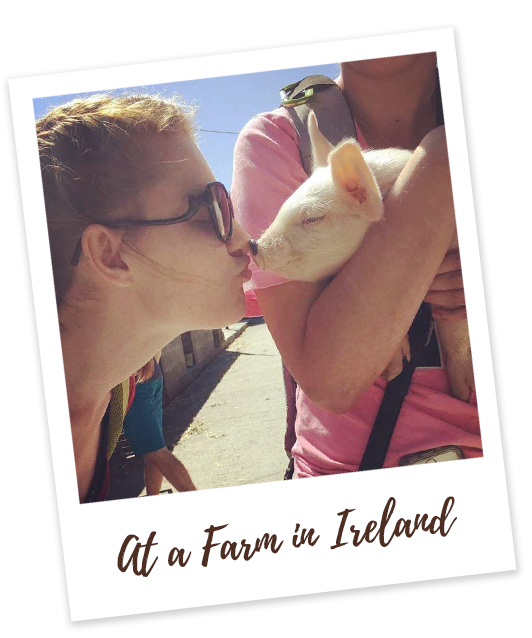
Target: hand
446,293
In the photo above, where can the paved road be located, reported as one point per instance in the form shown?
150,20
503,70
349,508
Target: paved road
237,435
229,423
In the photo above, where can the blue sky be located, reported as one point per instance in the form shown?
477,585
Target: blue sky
224,104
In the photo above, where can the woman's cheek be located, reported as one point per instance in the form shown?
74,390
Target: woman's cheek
231,298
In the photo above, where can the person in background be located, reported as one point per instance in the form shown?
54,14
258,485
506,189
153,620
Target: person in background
143,427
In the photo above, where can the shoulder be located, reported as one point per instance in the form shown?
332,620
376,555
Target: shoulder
276,121
267,169
269,143
271,130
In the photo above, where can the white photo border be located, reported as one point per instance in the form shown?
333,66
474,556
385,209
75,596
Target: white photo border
92,535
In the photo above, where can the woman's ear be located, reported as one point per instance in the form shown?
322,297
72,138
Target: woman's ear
103,248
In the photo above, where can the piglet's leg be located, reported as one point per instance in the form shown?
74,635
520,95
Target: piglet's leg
395,366
456,350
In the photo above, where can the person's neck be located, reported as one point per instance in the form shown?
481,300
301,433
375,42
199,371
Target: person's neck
103,344
394,111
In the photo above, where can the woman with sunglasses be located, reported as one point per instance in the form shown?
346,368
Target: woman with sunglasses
144,247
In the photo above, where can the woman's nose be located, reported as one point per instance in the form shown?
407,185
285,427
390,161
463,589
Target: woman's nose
239,242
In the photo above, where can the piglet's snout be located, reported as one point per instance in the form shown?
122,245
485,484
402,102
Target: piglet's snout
253,247
256,255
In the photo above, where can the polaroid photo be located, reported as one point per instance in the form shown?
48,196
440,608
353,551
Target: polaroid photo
251,269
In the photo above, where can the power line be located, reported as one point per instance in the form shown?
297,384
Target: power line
205,130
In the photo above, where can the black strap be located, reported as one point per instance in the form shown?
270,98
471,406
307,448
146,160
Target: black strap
395,393
289,473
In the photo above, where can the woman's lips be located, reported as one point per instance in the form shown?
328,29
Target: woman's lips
246,273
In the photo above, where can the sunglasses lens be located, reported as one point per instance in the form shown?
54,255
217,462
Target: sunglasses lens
223,210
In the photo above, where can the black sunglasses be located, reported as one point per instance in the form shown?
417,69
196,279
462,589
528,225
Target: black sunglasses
215,198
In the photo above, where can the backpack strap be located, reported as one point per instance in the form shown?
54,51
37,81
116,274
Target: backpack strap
117,411
323,96
395,393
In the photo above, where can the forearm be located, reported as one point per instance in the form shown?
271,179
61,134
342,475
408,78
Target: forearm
358,321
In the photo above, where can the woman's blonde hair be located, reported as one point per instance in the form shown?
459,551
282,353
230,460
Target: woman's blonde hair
92,153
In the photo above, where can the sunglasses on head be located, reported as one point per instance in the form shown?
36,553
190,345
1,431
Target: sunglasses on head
215,198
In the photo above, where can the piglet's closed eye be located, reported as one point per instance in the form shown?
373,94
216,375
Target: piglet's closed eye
353,178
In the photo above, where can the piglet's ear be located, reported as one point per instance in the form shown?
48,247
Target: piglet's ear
321,147
355,181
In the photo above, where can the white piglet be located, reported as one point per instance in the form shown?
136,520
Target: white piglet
322,224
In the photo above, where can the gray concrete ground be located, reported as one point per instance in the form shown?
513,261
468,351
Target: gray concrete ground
237,436
229,423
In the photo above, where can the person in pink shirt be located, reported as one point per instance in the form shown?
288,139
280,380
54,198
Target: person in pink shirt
337,337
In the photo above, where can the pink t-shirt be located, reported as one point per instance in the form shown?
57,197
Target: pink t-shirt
267,170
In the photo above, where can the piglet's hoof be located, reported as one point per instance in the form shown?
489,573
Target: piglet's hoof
395,367
461,380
